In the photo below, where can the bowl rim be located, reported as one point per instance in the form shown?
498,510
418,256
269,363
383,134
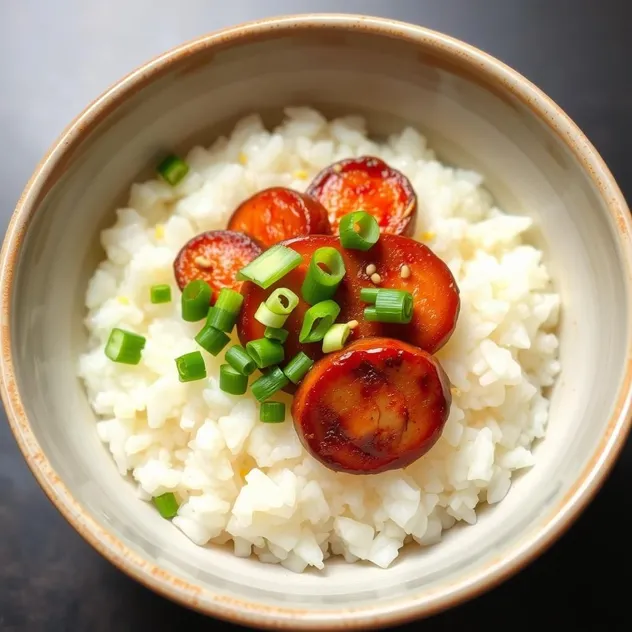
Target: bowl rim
243,611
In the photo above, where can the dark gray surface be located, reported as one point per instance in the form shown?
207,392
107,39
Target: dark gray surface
56,55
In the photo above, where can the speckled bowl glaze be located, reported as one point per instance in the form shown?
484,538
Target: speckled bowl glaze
477,113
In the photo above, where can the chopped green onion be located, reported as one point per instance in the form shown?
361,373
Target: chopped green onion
325,272
196,299
160,293
370,314
239,359
124,347
394,306
282,301
211,339
268,318
317,320
191,367
272,412
167,505
265,352
359,231
173,169
268,384
276,333
270,266
223,314
232,381
297,367
369,294
336,337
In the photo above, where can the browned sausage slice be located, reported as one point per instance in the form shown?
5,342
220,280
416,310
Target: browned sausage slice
377,405
369,184
275,214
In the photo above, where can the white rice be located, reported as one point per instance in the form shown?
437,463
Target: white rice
241,480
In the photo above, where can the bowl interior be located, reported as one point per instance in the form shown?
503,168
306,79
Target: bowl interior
472,123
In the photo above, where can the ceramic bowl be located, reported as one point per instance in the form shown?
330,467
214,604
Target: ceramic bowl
477,113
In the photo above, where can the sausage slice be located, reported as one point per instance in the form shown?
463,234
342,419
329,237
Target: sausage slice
377,405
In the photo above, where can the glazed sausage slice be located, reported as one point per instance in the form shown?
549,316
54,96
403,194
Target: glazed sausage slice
435,293
367,183
216,257
275,214
377,405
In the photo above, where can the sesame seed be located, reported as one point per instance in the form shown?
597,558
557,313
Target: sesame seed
376,278
404,271
301,174
371,269
428,235
352,324
202,262
243,159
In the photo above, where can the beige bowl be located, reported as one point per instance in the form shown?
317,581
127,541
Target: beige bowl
478,113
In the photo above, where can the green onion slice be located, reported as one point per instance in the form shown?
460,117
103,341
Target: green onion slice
297,367
268,384
172,169
394,306
265,352
324,274
317,320
239,359
272,412
282,301
211,339
232,381
223,315
167,505
196,299
276,333
191,367
336,337
270,266
369,294
359,231
124,346
160,293
268,318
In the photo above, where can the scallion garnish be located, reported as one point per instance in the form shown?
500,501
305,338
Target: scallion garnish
317,320
297,367
359,231
268,384
272,412
276,333
239,359
268,318
368,294
172,169
265,352
336,337
191,367
232,381
124,346
270,266
223,315
211,339
160,293
324,274
167,505
196,299
391,306
282,301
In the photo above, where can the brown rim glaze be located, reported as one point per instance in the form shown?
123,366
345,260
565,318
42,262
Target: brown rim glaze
383,613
